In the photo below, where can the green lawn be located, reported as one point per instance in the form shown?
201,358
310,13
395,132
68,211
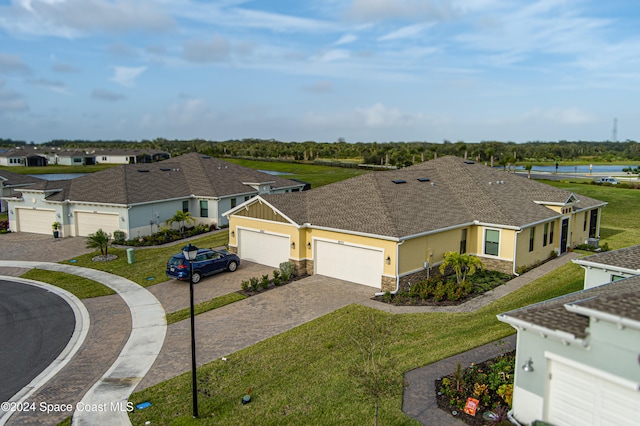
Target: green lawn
57,169
150,263
315,175
82,288
215,303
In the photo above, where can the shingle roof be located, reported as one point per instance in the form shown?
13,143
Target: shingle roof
178,177
628,258
15,179
456,193
621,298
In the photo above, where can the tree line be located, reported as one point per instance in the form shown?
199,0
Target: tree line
378,153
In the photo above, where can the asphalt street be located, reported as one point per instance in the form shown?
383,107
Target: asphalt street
35,326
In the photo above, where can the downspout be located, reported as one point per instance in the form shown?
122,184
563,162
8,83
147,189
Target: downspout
397,270
515,252
512,419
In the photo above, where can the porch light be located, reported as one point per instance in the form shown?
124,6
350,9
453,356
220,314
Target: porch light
388,260
308,246
293,245
528,365
233,234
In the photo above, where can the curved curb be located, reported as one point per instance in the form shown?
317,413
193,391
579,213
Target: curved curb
78,336
107,400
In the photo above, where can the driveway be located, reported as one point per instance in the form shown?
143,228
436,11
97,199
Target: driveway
174,294
225,330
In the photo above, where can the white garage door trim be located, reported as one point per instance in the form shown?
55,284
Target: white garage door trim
579,394
89,222
38,221
262,247
349,262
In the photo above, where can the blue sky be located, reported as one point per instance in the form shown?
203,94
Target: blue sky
362,70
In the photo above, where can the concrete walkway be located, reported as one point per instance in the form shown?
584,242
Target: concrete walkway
148,330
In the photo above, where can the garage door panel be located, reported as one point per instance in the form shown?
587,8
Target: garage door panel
350,263
88,223
580,397
264,248
37,221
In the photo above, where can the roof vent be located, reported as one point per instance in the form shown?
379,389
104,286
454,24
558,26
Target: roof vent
423,179
206,156
469,162
165,169
433,184
399,181
143,170
490,183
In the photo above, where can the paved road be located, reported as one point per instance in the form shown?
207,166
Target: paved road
35,326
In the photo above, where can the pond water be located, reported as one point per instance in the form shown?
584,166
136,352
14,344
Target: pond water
58,176
584,169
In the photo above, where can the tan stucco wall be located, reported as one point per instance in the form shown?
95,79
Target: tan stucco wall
429,248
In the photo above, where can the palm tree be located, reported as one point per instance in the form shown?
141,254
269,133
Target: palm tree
99,240
463,264
183,218
528,168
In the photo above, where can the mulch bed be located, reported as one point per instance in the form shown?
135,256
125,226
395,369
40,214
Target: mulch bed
250,292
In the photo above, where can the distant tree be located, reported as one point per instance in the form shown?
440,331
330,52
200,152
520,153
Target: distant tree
99,240
528,168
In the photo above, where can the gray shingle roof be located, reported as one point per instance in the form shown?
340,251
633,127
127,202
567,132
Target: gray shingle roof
178,177
457,193
628,258
16,179
621,298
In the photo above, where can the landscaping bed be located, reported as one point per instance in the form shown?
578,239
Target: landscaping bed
490,384
445,291
280,277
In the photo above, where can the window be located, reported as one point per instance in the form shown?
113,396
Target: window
77,160
246,198
532,236
204,208
185,206
584,225
233,202
617,278
553,225
545,235
492,242
463,242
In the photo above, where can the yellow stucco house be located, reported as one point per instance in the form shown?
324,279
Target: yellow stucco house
388,229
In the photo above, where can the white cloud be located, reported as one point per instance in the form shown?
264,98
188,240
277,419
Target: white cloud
107,95
74,18
11,101
414,10
54,85
126,76
346,39
405,32
13,64
215,50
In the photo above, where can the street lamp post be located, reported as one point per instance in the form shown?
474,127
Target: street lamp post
190,252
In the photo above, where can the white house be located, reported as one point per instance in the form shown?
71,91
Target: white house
577,359
138,199
605,267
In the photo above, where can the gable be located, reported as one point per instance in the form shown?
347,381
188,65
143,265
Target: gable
259,210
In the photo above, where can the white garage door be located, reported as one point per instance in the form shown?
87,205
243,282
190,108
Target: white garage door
263,248
350,263
88,223
577,397
37,221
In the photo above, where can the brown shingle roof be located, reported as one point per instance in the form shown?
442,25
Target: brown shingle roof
628,258
457,193
189,174
620,298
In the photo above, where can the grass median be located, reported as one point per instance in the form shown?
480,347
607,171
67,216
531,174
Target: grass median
216,302
82,288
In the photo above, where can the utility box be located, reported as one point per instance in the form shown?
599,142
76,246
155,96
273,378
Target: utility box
130,256
593,242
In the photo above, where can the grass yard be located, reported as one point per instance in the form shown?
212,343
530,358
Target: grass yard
57,169
150,263
82,288
315,175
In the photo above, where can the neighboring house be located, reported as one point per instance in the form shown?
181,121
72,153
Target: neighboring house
387,229
139,199
577,359
10,183
43,155
610,266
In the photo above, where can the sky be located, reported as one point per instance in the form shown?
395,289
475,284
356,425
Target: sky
320,70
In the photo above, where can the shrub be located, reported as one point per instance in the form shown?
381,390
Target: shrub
254,282
4,225
276,277
245,285
118,236
439,292
264,281
287,270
